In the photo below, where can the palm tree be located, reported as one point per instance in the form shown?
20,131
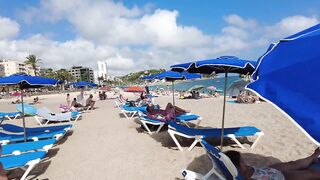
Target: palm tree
33,61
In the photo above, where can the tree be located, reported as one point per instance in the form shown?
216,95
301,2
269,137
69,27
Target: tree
100,78
33,61
63,75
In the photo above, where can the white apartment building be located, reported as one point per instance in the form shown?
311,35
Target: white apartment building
9,67
103,71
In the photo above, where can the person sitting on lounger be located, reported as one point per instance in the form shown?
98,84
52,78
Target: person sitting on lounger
90,102
167,114
289,170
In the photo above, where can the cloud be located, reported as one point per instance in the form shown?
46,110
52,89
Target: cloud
138,38
9,28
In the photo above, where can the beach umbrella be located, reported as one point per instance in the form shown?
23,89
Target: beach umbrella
211,88
237,86
135,89
196,88
83,84
172,76
105,88
286,77
224,64
26,81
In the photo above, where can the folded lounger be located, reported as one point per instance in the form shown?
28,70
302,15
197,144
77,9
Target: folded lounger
33,136
25,161
17,129
19,148
219,161
198,134
185,118
130,112
10,115
44,114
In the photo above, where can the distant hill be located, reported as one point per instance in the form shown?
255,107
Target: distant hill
134,78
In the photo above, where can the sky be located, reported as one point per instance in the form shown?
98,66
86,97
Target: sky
133,35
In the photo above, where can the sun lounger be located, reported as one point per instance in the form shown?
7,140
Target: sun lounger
130,112
198,134
220,163
18,148
6,138
10,115
17,129
185,118
25,161
45,115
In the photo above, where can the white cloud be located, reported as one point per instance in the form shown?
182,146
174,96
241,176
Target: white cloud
139,38
8,28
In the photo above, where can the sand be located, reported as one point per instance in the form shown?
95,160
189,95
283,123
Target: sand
105,145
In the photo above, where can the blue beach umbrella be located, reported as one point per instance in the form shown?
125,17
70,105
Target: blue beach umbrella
83,84
223,64
286,77
24,82
172,76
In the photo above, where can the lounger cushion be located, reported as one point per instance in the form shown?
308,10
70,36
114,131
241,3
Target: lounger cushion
214,132
21,160
26,146
18,129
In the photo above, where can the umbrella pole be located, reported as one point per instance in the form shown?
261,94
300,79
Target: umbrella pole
224,108
23,119
173,102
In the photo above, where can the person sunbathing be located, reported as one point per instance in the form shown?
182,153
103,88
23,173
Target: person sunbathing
289,170
75,104
167,114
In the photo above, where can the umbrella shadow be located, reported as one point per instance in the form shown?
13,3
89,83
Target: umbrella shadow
202,164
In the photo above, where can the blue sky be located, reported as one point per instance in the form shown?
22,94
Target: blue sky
156,30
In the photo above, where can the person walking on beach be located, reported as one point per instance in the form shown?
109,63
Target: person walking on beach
68,99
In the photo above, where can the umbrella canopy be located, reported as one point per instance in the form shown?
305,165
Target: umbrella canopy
83,84
223,64
26,81
237,86
172,76
211,88
287,77
105,88
196,88
135,89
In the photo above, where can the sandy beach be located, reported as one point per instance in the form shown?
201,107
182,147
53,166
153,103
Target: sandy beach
105,145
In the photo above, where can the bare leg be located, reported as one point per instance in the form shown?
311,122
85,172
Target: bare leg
302,175
298,164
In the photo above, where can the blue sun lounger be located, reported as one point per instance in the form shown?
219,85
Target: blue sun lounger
18,129
130,112
10,115
19,148
184,118
219,161
27,160
198,134
33,136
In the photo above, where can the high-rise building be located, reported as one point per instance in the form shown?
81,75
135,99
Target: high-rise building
103,71
82,73
13,67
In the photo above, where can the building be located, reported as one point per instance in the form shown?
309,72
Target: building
82,73
103,71
13,67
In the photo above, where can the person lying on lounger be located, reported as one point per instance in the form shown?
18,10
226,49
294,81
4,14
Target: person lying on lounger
289,170
167,114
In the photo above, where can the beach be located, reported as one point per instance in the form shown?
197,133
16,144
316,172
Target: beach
105,145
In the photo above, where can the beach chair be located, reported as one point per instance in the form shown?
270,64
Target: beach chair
185,118
17,129
222,166
23,147
6,138
10,115
44,116
26,161
130,112
198,134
